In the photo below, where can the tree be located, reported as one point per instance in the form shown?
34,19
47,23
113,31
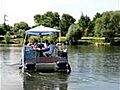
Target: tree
65,23
98,15
86,32
19,26
52,19
49,19
21,33
98,28
2,30
7,37
38,20
23,26
108,25
74,33
115,22
85,23
56,19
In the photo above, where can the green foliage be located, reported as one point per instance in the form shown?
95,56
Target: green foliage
98,27
34,37
7,37
86,25
86,32
38,20
62,39
2,30
65,23
105,25
21,25
98,15
17,40
19,29
74,33
51,37
108,25
49,19
21,32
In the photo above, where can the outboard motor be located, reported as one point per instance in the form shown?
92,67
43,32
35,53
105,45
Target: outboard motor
62,54
62,64
30,66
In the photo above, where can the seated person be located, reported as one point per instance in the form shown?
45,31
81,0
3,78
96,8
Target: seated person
30,42
46,44
37,45
51,50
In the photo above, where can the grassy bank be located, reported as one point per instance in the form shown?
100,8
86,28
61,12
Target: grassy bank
93,40
13,43
82,41
10,45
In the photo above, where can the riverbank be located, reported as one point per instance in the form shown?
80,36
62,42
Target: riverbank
97,41
10,45
83,41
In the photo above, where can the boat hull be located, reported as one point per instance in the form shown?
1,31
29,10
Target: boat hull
32,60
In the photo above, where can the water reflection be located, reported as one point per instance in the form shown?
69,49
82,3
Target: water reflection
11,78
92,67
45,81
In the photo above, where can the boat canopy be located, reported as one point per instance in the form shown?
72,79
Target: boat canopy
41,30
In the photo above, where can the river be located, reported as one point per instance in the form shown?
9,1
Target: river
93,68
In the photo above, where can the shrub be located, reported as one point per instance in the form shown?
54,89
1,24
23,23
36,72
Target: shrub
7,37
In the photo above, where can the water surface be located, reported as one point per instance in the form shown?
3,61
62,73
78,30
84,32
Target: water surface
93,68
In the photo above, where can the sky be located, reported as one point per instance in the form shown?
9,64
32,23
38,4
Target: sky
24,10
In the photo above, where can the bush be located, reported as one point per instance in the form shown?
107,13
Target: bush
7,37
62,39
74,34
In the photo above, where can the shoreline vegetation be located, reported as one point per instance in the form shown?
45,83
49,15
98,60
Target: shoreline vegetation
11,45
103,29
18,42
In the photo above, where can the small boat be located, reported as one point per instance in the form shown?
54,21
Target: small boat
33,59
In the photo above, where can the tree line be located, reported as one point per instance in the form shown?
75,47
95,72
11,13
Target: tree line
106,24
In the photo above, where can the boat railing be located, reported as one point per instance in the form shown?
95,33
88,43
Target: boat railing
35,56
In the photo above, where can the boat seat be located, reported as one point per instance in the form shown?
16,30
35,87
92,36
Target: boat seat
29,54
45,59
49,59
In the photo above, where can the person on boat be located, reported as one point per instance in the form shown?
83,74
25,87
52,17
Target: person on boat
46,43
30,42
51,49
40,38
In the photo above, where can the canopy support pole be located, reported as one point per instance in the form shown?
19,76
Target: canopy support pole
59,36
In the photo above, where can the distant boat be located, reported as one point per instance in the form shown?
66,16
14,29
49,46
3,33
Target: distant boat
34,59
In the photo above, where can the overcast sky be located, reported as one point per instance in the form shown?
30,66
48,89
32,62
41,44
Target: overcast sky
24,10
